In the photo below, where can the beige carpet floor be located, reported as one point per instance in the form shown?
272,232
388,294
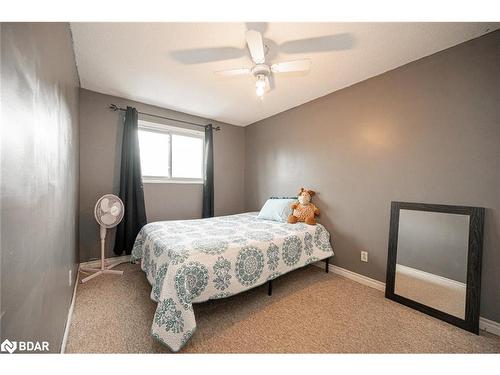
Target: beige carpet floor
309,312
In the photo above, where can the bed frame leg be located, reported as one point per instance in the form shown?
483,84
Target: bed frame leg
269,287
327,263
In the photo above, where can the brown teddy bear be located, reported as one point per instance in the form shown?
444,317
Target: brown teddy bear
304,211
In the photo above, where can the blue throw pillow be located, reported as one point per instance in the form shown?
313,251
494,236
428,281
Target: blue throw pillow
277,209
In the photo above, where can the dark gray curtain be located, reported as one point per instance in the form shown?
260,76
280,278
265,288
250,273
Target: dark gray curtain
131,189
208,181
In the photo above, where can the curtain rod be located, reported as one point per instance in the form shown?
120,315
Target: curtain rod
115,108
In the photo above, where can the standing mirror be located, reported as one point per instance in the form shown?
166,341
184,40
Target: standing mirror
434,260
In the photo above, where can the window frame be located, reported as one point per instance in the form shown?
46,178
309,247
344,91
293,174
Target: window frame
172,130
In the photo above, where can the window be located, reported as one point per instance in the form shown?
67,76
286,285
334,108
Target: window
170,154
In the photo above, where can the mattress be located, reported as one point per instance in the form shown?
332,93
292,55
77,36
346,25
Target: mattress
190,261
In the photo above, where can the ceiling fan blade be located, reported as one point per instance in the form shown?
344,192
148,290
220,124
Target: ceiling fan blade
269,83
324,43
256,46
233,72
261,27
292,66
204,55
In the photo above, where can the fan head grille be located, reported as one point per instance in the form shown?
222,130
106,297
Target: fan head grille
109,211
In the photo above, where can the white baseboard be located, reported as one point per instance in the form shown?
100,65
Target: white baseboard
484,324
97,262
372,283
70,313
489,326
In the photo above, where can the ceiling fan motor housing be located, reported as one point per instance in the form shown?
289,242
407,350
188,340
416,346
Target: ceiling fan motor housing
261,69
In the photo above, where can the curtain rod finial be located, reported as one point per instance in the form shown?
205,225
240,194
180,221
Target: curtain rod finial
113,107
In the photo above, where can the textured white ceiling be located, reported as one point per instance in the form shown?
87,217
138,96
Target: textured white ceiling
137,61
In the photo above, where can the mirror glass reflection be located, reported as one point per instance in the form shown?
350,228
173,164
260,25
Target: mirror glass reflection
431,262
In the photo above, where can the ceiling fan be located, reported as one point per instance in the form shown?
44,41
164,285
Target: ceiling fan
262,71
262,51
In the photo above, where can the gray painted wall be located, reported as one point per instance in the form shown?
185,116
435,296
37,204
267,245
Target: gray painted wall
39,180
434,242
100,150
427,132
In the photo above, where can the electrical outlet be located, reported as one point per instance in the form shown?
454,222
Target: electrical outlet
70,279
364,256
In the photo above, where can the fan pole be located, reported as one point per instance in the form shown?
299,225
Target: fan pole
104,268
102,232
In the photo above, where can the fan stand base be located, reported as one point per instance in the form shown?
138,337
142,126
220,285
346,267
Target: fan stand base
98,271
105,268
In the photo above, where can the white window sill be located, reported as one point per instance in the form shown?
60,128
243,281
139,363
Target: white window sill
172,181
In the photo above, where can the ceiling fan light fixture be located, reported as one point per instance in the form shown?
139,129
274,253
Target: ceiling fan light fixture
262,71
260,85
260,91
261,81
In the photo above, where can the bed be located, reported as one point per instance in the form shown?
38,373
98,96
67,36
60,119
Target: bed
191,261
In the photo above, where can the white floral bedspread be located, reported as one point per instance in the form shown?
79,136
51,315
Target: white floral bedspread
190,261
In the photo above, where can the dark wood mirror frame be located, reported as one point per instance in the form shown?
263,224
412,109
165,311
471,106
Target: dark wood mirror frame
473,289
